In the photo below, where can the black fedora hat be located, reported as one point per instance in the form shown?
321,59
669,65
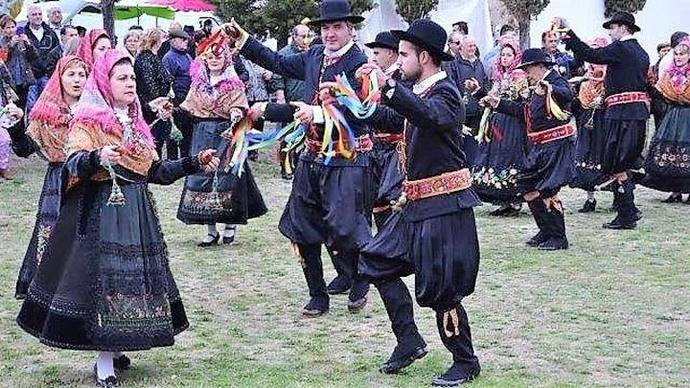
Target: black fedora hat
625,18
384,40
334,11
427,35
534,56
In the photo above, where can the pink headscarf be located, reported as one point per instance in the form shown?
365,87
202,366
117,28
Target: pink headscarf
501,72
96,104
87,43
51,107
679,75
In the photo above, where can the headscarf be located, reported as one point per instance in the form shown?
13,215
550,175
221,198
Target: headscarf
87,43
500,72
592,90
674,83
214,98
49,119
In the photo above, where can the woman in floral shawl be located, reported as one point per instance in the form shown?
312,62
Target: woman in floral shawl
667,165
502,140
104,283
588,109
217,102
93,45
47,136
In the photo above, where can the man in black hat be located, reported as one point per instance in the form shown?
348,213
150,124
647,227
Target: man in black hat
626,112
329,203
384,166
550,132
434,235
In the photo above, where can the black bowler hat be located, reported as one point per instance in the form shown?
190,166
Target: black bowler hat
334,11
534,56
625,18
384,40
427,35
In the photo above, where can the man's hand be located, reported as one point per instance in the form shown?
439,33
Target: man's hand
489,101
372,70
110,155
304,114
207,160
326,94
472,85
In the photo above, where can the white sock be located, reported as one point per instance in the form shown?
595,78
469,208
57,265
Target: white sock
104,365
212,232
590,196
229,231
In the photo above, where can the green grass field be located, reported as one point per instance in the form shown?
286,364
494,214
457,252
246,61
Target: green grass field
613,310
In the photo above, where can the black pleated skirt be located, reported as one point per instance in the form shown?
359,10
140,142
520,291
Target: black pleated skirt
667,165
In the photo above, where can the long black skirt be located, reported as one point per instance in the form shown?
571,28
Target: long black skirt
442,252
667,165
48,210
105,282
623,144
588,150
548,168
500,160
328,205
220,197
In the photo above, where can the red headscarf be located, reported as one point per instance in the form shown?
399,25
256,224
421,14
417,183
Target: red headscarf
51,107
87,43
96,103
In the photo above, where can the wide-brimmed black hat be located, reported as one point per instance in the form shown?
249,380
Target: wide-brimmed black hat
384,40
334,11
427,35
534,56
625,18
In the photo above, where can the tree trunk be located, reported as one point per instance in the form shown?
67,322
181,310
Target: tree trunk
524,26
108,10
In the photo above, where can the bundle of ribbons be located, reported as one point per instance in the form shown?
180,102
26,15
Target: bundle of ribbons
242,139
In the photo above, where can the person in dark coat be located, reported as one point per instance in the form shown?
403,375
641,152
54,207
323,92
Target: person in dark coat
154,83
550,132
66,33
627,109
328,204
177,62
468,67
44,39
385,170
433,234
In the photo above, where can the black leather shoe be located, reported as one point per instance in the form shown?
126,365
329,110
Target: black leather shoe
213,242
357,305
553,244
400,359
588,206
673,198
227,240
455,376
315,308
617,224
536,240
339,285
122,363
501,211
108,382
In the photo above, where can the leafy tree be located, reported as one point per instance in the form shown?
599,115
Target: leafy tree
524,11
613,6
275,18
412,10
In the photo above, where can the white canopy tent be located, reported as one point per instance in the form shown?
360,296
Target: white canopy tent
475,12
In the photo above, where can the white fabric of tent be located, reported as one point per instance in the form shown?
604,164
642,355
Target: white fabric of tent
475,12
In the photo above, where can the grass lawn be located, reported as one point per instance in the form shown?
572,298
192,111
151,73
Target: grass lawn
613,310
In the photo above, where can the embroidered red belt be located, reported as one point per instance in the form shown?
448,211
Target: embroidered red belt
389,137
446,183
627,98
552,134
362,144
